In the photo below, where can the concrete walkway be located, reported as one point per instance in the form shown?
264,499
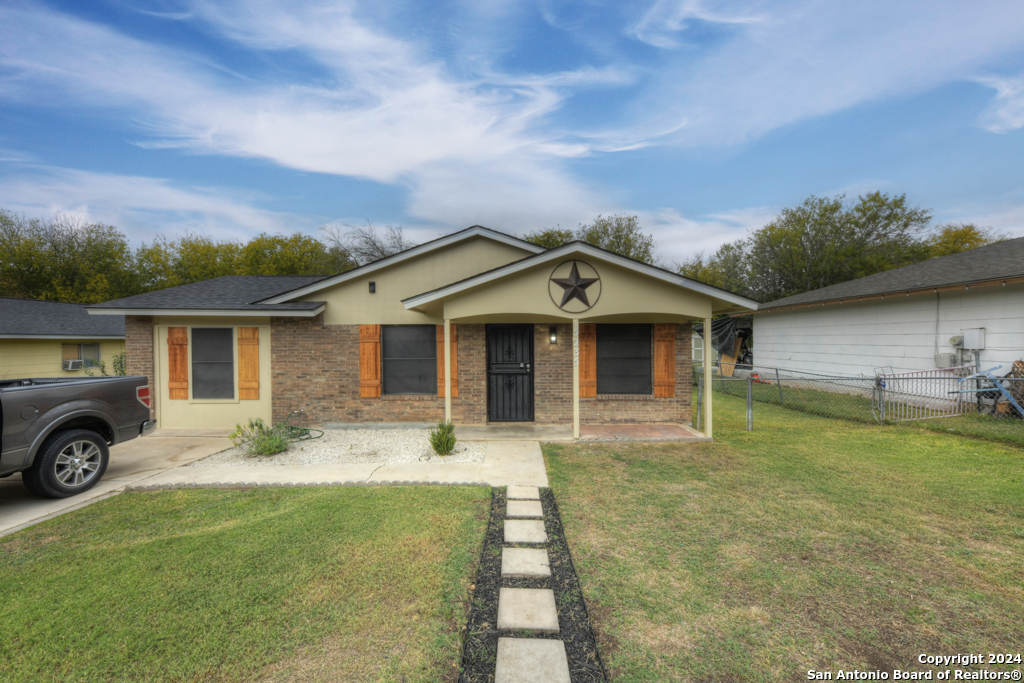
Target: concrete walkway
131,463
505,463
528,610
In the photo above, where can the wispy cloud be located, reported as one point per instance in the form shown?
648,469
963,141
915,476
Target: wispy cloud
790,60
143,206
1006,112
473,139
665,23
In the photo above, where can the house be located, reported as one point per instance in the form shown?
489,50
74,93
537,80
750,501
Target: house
966,308
477,327
54,339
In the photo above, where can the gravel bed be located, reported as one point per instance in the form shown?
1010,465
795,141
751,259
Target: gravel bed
351,447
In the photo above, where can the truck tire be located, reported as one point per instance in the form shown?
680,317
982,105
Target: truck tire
68,463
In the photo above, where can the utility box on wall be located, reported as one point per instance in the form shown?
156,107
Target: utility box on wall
974,339
945,360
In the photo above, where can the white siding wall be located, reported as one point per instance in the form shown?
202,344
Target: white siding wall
903,333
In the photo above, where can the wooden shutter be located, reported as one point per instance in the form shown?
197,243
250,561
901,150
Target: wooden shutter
369,361
455,361
249,363
664,360
588,360
177,362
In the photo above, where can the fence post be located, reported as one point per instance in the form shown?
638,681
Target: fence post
778,380
750,403
697,424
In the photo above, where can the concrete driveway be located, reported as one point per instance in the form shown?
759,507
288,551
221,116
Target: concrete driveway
131,463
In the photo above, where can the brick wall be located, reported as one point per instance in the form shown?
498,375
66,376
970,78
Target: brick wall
315,368
604,409
552,375
138,347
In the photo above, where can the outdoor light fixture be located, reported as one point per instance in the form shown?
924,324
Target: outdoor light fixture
553,335
373,287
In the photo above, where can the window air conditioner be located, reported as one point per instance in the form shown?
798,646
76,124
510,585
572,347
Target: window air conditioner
74,364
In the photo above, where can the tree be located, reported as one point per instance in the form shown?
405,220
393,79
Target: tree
727,268
64,259
295,255
952,238
549,238
822,242
364,244
620,234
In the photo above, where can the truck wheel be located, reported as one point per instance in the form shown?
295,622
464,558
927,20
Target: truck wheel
68,463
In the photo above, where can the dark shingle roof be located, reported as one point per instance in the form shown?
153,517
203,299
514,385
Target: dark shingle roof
992,262
30,317
230,292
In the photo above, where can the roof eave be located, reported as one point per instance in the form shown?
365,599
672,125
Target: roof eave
767,308
559,252
212,312
475,231
61,336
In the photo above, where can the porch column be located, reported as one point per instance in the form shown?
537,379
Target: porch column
447,370
576,378
708,350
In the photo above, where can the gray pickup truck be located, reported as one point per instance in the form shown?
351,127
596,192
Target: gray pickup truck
56,431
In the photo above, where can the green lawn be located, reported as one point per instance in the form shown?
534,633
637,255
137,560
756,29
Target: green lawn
347,584
769,399
807,543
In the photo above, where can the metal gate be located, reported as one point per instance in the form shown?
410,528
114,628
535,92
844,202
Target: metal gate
510,373
921,395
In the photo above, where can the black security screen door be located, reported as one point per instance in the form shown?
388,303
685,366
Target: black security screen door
510,373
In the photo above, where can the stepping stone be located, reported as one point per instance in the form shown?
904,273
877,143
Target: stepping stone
527,608
525,531
525,562
531,660
523,493
524,508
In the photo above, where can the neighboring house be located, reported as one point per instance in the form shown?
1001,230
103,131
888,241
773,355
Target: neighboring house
477,326
37,337
904,318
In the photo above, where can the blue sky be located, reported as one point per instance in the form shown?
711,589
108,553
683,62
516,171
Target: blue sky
703,118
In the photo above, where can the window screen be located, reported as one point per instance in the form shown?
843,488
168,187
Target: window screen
409,355
213,362
623,359
91,354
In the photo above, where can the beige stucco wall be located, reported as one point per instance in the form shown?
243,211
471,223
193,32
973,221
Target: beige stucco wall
21,358
210,413
351,303
626,296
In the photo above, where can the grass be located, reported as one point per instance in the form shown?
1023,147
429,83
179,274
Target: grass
808,543
859,409
244,585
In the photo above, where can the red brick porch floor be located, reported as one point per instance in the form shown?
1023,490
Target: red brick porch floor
640,432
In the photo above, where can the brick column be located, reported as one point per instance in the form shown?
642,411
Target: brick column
138,347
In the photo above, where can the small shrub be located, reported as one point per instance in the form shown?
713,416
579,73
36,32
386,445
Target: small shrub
258,438
442,438
120,361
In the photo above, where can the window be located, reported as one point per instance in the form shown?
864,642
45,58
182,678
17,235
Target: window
409,357
213,362
698,348
90,353
623,359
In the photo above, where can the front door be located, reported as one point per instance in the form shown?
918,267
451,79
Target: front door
510,373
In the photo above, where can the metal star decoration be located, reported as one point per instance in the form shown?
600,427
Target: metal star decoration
575,286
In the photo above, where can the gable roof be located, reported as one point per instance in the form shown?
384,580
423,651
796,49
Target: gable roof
426,247
994,262
31,318
234,294
586,248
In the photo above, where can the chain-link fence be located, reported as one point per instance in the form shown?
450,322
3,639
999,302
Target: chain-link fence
959,400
